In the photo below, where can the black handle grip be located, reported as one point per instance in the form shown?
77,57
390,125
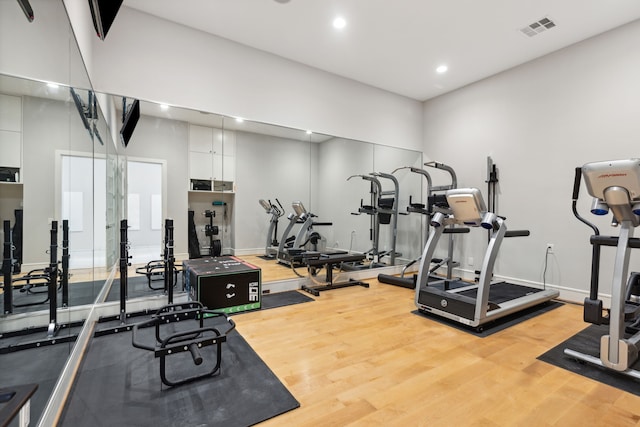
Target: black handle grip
517,233
457,230
195,353
576,183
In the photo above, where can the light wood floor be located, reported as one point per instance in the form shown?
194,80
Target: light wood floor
359,357
271,270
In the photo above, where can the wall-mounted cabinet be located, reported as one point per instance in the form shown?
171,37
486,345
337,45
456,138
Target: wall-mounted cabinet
10,138
212,157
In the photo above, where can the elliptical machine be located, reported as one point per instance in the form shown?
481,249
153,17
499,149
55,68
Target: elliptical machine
290,253
615,186
271,248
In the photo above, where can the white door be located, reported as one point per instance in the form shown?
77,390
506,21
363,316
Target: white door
144,211
84,205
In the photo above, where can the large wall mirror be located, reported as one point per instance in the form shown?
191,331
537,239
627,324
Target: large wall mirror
216,169
57,185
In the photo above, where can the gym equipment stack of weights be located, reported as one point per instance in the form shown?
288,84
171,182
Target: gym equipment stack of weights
210,230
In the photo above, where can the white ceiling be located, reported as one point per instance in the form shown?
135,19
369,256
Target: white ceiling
396,45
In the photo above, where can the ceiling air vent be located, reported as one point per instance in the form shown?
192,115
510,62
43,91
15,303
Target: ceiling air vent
538,27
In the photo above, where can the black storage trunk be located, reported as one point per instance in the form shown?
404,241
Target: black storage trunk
224,283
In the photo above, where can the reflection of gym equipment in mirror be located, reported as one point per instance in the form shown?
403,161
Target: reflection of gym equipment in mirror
286,242
42,281
47,278
291,250
164,270
315,260
473,305
614,185
436,202
210,230
271,247
214,248
382,210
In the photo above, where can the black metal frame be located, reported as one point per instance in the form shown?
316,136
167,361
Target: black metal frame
7,267
167,264
157,270
189,340
52,294
210,230
328,261
42,277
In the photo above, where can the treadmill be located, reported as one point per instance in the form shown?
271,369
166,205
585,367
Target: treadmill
472,304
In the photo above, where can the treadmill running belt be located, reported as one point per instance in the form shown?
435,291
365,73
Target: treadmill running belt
502,291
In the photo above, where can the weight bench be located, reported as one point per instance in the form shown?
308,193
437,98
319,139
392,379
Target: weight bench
315,260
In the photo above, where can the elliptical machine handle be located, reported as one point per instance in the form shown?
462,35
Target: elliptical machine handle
592,305
576,191
576,183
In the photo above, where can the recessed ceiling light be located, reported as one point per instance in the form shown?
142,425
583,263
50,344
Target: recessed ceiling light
442,69
309,132
164,107
239,119
53,85
339,23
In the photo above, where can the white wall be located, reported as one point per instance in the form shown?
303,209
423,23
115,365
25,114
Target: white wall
538,122
82,28
22,44
153,59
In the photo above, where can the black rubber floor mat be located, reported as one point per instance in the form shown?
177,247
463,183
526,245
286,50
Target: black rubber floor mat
281,299
499,324
120,385
587,341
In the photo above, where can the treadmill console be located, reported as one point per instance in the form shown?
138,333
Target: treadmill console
467,205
